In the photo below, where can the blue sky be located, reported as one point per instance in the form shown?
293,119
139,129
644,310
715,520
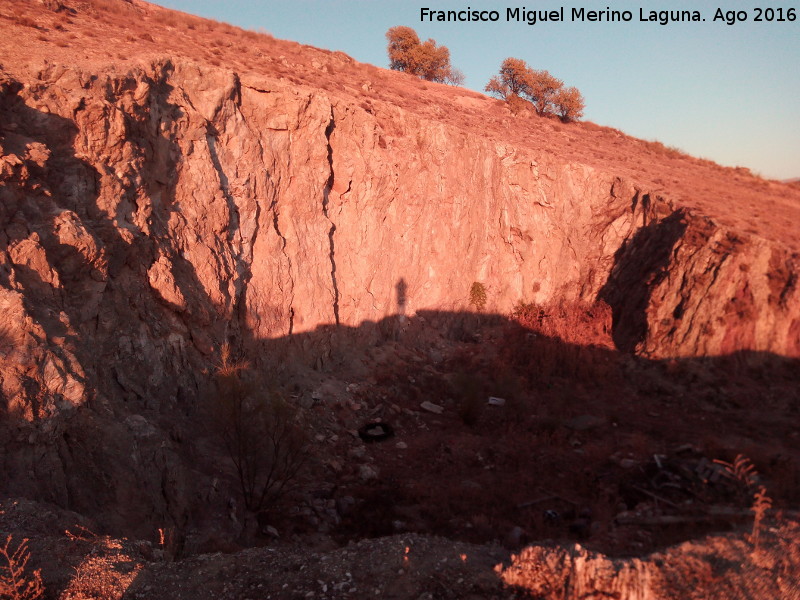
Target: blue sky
730,93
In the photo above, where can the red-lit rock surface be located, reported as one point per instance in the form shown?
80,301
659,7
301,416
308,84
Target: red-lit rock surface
167,187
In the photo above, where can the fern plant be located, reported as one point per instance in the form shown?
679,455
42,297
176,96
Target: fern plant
744,471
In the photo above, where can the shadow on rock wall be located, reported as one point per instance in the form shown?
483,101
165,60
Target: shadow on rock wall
85,338
104,377
639,265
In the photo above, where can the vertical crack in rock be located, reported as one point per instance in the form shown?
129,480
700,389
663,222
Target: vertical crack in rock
325,196
247,271
243,272
274,208
233,210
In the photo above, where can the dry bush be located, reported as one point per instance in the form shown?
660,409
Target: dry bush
511,81
105,573
546,93
541,571
761,505
542,90
743,471
565,340
518,105
455,77
571,322
568,104
26,21
425,59
15,582
81,534
261,432
477,296
657,147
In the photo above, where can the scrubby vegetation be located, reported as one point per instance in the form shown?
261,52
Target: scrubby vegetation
17,582
424,59
518,82
260,431
477,295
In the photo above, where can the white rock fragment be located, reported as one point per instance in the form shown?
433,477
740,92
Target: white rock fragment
367,472
431,407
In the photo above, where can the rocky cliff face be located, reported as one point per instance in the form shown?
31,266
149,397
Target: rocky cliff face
147,216
151,215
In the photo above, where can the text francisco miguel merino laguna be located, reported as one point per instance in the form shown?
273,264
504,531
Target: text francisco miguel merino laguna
531,17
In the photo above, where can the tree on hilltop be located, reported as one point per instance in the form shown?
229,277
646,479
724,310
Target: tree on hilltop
518,85
542,88
514,79
456,77
568,103
423,59
402,40
431,62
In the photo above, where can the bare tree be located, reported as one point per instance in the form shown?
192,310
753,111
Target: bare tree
456,77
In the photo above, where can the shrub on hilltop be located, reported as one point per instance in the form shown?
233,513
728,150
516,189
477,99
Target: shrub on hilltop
568,104
423,59
513,79
517,82
543,88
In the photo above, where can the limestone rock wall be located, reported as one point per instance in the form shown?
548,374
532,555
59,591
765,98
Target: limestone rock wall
148,216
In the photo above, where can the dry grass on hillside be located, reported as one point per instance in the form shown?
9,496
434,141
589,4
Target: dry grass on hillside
102,35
